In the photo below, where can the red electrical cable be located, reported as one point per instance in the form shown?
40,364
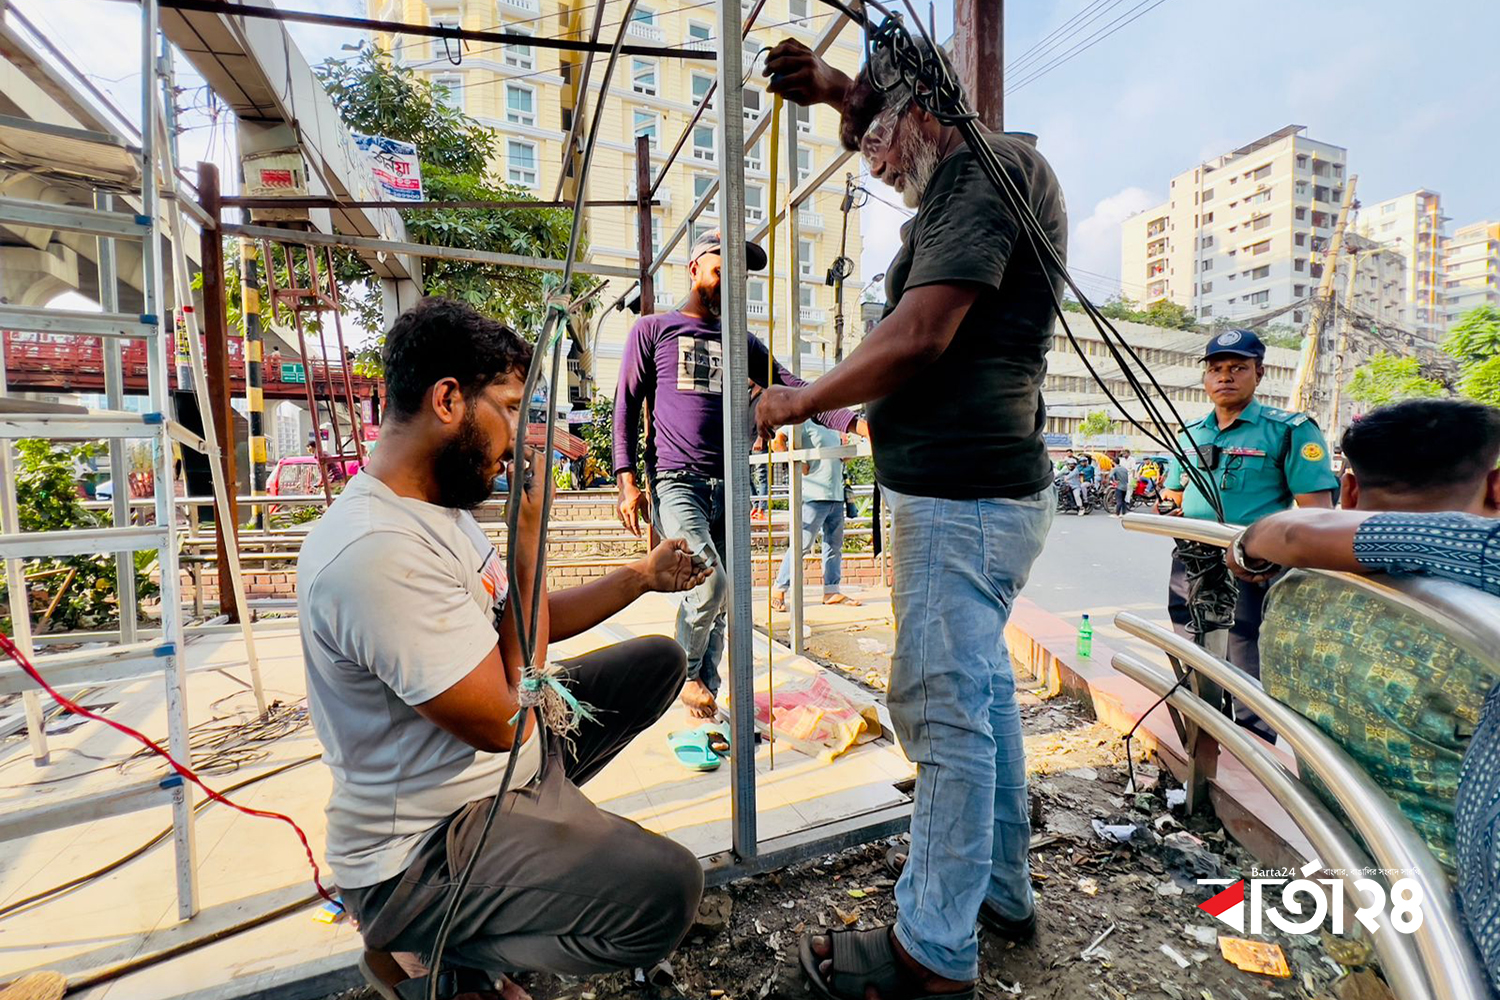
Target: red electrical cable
14,653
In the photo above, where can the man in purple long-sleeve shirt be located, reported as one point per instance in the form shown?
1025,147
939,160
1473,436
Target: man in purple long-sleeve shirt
673,364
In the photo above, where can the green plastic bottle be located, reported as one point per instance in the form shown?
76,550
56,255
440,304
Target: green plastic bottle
1086,638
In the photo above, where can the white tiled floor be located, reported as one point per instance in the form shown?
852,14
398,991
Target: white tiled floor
248,866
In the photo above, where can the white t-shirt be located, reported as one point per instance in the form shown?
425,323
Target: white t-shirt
399,600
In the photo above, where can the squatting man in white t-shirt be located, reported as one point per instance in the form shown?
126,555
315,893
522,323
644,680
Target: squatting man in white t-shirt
413,662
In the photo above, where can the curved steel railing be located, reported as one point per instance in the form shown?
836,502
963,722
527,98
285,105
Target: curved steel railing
1334,847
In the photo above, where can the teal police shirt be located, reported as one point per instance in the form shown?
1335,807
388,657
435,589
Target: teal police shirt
1266,457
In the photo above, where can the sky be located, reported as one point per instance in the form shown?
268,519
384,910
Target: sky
1130,94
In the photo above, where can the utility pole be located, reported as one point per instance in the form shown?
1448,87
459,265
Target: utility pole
216,355
979,57
254,371
645,246
1306,393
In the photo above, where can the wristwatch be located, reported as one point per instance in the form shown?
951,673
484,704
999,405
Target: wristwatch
1257,567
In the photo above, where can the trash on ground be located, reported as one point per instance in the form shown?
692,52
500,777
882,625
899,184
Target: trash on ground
1094,945
1173,954
816,719
1115,833
1255,956
1176,797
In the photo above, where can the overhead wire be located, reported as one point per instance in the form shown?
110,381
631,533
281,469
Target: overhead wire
1123,21
1059,36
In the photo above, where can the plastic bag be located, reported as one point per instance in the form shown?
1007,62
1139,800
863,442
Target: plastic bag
816,719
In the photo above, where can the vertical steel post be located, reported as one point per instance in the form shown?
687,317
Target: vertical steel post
216,353
255,399
153,303
794,362
18,594
114,396
645,247
735,333
979,57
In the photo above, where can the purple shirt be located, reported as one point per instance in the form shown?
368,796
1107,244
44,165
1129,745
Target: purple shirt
674,363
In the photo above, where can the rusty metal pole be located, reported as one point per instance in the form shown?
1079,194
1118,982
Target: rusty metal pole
644,244
216,366
979,57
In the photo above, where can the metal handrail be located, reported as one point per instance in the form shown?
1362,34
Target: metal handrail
1334,847
1446,952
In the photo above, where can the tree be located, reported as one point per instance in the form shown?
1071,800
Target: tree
1095,425
376,96
1386,378
600,435
1166,313
1481,382
1475,338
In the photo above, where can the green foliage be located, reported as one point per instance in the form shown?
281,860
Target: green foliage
376,96
1475,339
1281,335
1163,313
1170,314
1386,378
600,435
47,500
1096,424
860,470
1481,382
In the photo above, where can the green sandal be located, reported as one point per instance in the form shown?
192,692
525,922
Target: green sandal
693,750
862,960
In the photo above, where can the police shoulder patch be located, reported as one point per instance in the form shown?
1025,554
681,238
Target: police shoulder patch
1312,451
1296,419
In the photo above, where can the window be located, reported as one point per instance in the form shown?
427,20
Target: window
1208,196
1208,286
1299,265
807,296
804,164
1259,298
701,184
1264,246
805,258
1261,173
1208,217
520,104
703,143
755,290
1301,161
752,104
1300,239
755,203
1260,222
1301,213
655,235
520,163
701,86
1206,241
1259,198
519,56
697,229
1299,290
1208,311
643,77
446,48
448,88
1208,264
700,35
755,159
1297,316
804,118
646,124
644,15
798,11
1264,271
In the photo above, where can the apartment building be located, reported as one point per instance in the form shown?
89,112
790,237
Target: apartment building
1413,225
1242,234
1379,273
528,94
1173,357
1471,269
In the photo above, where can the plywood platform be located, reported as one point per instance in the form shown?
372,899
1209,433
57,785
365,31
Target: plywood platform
251,866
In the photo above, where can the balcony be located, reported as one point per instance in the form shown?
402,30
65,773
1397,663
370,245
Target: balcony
699,45
811,221
756,309
816,317
524,6
645,30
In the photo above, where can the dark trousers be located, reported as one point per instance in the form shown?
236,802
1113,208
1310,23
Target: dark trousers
560,886
1244,636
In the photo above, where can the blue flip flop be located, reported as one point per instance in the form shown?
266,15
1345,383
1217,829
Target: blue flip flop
693,751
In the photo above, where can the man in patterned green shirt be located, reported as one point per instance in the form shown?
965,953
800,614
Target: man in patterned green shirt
1259,460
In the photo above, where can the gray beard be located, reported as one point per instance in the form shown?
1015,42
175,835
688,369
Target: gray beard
921,157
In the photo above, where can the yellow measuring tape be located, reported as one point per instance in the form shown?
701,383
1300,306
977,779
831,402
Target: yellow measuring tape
795,522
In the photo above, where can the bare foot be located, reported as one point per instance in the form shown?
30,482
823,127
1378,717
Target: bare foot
916,980
699,700
778,600
841,599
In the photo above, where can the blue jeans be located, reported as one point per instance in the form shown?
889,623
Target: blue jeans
826,516
958,566
692,508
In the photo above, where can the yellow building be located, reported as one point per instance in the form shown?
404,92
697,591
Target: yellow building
527,95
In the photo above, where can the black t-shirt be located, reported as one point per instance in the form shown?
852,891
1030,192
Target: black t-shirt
970,424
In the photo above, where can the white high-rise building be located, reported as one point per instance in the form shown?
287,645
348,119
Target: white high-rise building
1242,234
1471,275
1413,224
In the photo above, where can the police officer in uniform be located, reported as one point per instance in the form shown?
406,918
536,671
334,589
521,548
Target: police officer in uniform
1262,460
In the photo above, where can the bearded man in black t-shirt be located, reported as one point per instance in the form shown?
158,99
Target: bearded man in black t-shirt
953,375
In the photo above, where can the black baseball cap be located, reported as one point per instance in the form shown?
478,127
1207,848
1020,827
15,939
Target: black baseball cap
709,242
1241,342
